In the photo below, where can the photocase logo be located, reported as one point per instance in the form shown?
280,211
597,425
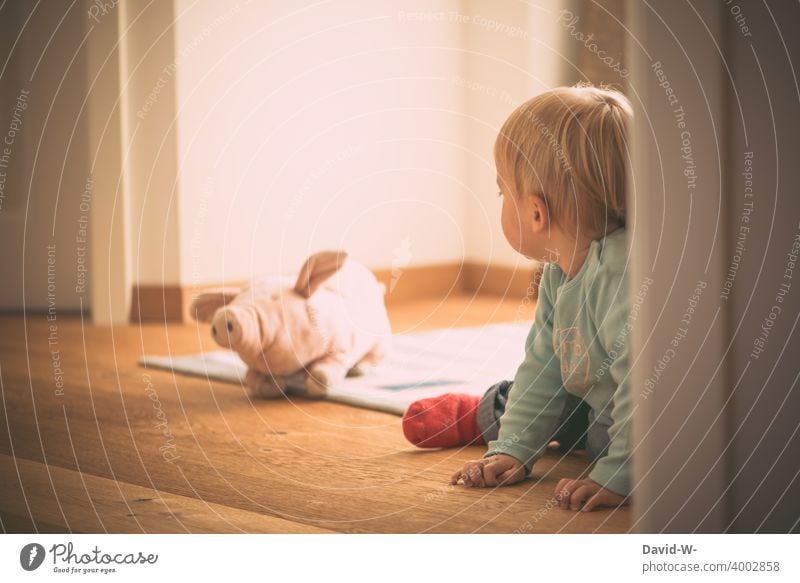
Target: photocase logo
31,556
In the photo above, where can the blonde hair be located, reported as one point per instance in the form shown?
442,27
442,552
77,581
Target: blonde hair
569,146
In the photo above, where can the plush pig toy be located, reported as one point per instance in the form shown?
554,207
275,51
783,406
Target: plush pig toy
326,324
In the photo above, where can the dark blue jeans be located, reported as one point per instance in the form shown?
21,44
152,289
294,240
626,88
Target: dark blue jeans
576,427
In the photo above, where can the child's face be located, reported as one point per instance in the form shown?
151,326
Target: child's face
523,222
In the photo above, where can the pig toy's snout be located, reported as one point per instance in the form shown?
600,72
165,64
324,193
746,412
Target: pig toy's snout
229,328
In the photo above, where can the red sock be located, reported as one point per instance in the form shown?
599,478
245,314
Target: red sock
445,421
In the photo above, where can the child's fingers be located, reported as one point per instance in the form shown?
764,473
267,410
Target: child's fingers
466,475
475,475
604,498
459,475
564,492
498,472
599,499
510,476
591,503
560,487
490,471
580,495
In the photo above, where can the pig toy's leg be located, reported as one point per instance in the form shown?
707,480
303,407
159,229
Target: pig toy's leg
258,384
325,373
376,354
356,370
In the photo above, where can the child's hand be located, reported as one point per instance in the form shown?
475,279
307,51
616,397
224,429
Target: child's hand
572,493
498,470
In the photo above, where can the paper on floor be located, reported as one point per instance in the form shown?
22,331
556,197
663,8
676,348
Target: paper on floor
420,365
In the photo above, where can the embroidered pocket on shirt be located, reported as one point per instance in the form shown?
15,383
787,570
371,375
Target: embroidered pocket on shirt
572,351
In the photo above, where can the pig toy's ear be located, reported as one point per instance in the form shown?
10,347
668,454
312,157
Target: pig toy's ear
317,270
207,303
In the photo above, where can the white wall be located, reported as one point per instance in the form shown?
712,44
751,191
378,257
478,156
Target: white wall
303,128
513,50
150,140
132,152
361,125
254,133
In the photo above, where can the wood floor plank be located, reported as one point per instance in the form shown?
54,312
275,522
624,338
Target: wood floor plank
317,464
87,504
252,467
15,524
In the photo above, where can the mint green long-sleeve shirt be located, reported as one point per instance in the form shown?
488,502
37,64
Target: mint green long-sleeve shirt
579,342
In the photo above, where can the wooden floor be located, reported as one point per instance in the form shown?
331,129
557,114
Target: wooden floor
124,449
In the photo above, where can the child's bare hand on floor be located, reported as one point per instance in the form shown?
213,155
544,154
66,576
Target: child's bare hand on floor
586,495
498,470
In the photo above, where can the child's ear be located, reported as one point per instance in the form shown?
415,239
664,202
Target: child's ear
539,214
317,270
205,305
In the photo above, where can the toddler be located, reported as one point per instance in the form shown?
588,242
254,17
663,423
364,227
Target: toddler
560,161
